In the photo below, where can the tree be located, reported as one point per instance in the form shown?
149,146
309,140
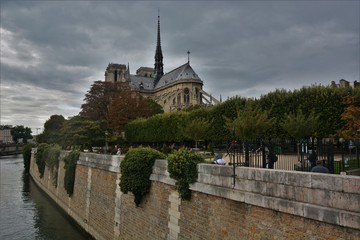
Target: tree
21,132
250,123
197,130
52,128
97,100
79,131
126,106
351,116
298,125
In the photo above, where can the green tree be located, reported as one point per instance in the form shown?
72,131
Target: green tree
250,123
197,130
82,133
21,132
298,125
52,128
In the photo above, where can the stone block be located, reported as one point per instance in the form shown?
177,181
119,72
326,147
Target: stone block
254,199
327,181
242,173
174,227
225,171
174,213
350,219
351,184
287,206
322,214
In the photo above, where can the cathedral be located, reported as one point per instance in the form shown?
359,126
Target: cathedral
176,90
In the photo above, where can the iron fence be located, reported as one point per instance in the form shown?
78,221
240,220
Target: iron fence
294,155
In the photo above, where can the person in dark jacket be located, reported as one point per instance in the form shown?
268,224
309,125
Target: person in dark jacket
313,158
271,158
319,167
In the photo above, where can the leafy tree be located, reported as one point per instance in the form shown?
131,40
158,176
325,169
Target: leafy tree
351,116
298,125
154,106
84,133
21,132
197,129
52,128
251,122
127,105
97,100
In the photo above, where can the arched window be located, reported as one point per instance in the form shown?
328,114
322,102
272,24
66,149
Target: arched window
186,96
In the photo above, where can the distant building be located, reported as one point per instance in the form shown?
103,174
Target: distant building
344,83
5,134
178,89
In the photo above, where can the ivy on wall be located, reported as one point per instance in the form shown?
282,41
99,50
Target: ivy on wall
70,166
41,157
136,169
51,155
182,166
27,156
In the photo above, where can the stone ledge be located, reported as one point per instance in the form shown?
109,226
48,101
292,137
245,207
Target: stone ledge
106,162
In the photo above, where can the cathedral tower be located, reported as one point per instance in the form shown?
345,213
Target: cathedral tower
159,66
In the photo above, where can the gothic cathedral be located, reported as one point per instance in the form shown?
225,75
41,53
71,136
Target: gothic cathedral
175,90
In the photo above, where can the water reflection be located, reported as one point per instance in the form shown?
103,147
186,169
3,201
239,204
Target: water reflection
25,211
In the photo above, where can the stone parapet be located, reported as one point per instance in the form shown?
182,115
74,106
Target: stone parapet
329,198
101,161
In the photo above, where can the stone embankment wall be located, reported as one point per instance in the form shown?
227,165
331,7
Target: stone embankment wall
263,203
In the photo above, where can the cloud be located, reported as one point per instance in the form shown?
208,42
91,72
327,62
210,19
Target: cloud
52,51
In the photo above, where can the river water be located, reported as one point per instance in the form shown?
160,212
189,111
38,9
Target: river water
25,211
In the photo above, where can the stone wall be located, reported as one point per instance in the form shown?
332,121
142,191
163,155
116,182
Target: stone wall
263,203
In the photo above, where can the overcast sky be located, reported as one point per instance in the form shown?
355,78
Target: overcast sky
52,51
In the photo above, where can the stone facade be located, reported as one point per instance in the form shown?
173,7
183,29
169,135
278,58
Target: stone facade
263,203
178,89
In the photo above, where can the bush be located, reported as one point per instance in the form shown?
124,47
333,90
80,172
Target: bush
41,157
27,156
51,155
136,169
70,166
182,166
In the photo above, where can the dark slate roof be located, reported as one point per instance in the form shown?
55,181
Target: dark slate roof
184,72
147,82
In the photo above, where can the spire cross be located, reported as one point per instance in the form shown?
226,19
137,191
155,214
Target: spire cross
188,52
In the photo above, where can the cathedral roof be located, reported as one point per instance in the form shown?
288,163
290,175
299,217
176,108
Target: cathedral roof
147,83
184,72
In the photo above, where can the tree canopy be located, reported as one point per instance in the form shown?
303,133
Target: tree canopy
20,132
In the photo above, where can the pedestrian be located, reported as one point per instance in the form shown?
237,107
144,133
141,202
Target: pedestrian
271,158
219,160
312,158
319,167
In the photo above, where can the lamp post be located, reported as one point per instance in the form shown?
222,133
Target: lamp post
106,142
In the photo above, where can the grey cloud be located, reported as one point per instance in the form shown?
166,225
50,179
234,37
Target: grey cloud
237,47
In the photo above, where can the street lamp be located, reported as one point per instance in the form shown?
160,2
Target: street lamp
106,142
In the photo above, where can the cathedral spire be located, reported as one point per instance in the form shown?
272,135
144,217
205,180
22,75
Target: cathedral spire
158,70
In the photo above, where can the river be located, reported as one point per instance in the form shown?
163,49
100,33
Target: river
25,211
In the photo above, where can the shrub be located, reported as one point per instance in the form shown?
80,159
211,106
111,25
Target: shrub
27,156
41,157
70,166
51,155
182,166
136,169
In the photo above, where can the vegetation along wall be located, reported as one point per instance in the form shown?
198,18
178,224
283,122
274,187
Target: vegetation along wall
263,203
